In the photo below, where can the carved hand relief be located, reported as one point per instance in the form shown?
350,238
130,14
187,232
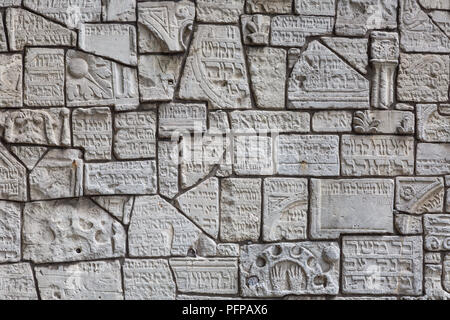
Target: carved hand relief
224,149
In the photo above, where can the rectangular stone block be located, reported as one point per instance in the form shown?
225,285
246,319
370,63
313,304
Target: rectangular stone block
382,265
270,121
285,209
240,205
351,206
309,155
219,275
377,155
179,118
332,121
44,77
127,177
433,159
437,232
135,135
276,270
420,194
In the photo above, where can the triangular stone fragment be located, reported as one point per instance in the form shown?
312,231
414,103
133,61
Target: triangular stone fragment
119,206
418,33
157,229
29,29
201,204
321,80
215,69
29,155
353,50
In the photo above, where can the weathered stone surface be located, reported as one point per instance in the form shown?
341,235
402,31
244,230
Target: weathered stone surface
126,177
420,194
37,126
28,155
270,121
158,76
292,31
435,4
432,125
267,67
70,230
351,206
72,13
165,26
433,159
434,289
355,18
320,79
17,282
44,77
218,122
224,84
332,121
135,135
92,130
240,214
58,175
377,155
423,78
432,257
11,80
316,8
253,155
219,275
97,280
285,209
176,119
168,168
10,230
8,3
418,33
119,10
275,270
446,281
119,206
225,11
201,205
3,40
384,55
437,232
315,155
201,154
353,50
114,41
148,280
442,20
228,250
255,29
384,122
13,177
382,265
94,81
29,29
264,6
157,229
408,225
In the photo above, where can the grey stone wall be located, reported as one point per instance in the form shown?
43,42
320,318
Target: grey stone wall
224,149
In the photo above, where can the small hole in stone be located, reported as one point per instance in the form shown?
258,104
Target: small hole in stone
191,253
260,262
78,250
277,250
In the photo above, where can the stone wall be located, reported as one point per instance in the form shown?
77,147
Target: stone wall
224,149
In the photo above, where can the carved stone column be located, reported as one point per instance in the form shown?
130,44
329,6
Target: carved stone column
384,59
